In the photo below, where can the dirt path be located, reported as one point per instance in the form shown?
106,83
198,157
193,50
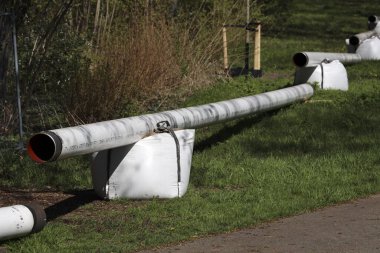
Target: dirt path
350,227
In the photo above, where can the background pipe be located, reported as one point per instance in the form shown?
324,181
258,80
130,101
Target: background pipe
21,220
372,22
356,39
89,138
305,59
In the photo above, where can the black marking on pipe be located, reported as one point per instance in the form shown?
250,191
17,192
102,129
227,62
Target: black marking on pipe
217,115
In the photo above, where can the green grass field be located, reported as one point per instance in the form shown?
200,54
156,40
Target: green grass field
244,172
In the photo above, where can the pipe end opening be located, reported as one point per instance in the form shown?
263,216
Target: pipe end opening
372,19
300,59
42,147
354,40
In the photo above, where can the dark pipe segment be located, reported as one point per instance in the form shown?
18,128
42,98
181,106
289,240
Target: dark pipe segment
372,22
353,40
372,19
300,59
44,147
39,217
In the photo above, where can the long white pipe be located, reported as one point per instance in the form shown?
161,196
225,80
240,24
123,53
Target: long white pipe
20,220
305,59
85,139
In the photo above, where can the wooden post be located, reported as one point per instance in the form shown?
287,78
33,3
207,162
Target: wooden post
256,56
17,81
247,40
225,52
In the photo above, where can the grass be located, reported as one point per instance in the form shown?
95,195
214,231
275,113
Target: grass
244,172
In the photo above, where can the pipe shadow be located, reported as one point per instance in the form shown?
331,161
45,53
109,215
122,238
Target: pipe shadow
239,71
227,132
70,204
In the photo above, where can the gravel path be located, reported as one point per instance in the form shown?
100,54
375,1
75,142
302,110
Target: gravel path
350,227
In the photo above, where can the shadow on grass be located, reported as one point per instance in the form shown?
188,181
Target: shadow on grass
239,71
198,178
317,131
279,148
70,204
227,132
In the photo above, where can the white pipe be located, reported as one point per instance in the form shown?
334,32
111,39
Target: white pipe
20,220
356,39
305,59
85,139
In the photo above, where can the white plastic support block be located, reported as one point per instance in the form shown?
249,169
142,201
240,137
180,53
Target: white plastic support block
145,169
369,49
327,75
